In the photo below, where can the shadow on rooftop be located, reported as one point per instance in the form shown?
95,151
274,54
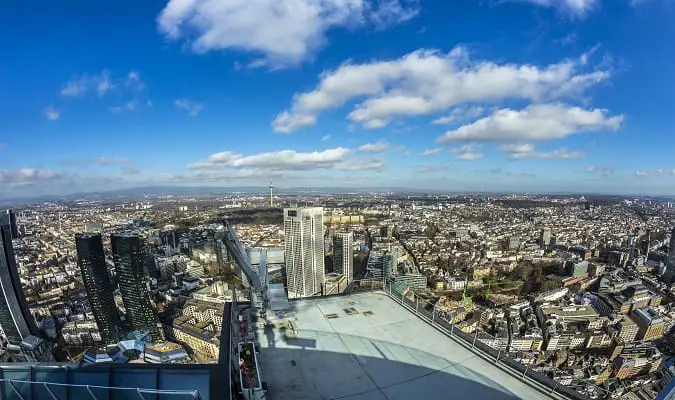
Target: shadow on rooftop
305,373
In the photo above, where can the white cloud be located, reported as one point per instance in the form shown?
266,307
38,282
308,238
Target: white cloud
101,83
460,114
282,32
129,106
326,138
131,170
430,168
193,108
127,167
567,39
535,122
655,172
561,153
468,152
598,169
133,81
380,145
27,176
431,152
51,113
369,165
517,148
218,176
107,161
426,81
74,87
577,8
278,160
469,156
287,122
519,151
104,84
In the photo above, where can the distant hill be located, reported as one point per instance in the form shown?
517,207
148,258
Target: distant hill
196,191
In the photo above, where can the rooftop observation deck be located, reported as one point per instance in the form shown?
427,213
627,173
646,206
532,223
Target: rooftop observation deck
369,346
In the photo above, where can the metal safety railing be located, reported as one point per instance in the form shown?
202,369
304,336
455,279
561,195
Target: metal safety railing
499,357
41,389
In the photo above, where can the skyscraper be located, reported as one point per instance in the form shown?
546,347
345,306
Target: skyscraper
545,237
128,255
91,260
670,261
14,228
304,245
343,255
15,318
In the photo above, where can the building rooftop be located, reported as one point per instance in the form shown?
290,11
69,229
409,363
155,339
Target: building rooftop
366,346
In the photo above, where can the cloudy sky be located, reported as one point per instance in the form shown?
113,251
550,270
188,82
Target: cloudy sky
502,95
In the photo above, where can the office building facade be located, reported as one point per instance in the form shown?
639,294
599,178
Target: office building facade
128,257
343,257
670,261
650,322
91,260
381,264
16,321
304,246
545,237
14,228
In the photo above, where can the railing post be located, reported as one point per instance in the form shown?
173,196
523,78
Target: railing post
452,328
525,372
402,297
433,315
417,305
555,387
93,396
15,390
498,354
49,391
474,339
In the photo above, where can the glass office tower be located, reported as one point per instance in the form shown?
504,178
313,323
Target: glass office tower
15,318
91,260
128,256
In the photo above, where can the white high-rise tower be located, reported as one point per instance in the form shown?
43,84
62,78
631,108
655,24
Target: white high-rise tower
304,245
343,255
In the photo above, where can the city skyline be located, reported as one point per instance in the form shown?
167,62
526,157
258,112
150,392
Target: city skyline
519,96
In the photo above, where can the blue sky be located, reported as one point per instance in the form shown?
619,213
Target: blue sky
522,95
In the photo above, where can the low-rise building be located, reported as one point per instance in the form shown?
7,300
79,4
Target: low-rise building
164,353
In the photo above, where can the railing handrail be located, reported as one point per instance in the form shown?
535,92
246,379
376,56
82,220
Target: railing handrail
170,392
534,378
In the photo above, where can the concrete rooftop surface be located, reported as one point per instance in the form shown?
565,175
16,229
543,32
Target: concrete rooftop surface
381,352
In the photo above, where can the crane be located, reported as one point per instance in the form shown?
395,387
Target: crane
259,298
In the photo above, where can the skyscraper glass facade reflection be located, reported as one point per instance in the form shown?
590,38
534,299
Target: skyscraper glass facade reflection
343,255
16,320
91,260
128,256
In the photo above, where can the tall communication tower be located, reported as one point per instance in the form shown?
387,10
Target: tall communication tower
271,190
